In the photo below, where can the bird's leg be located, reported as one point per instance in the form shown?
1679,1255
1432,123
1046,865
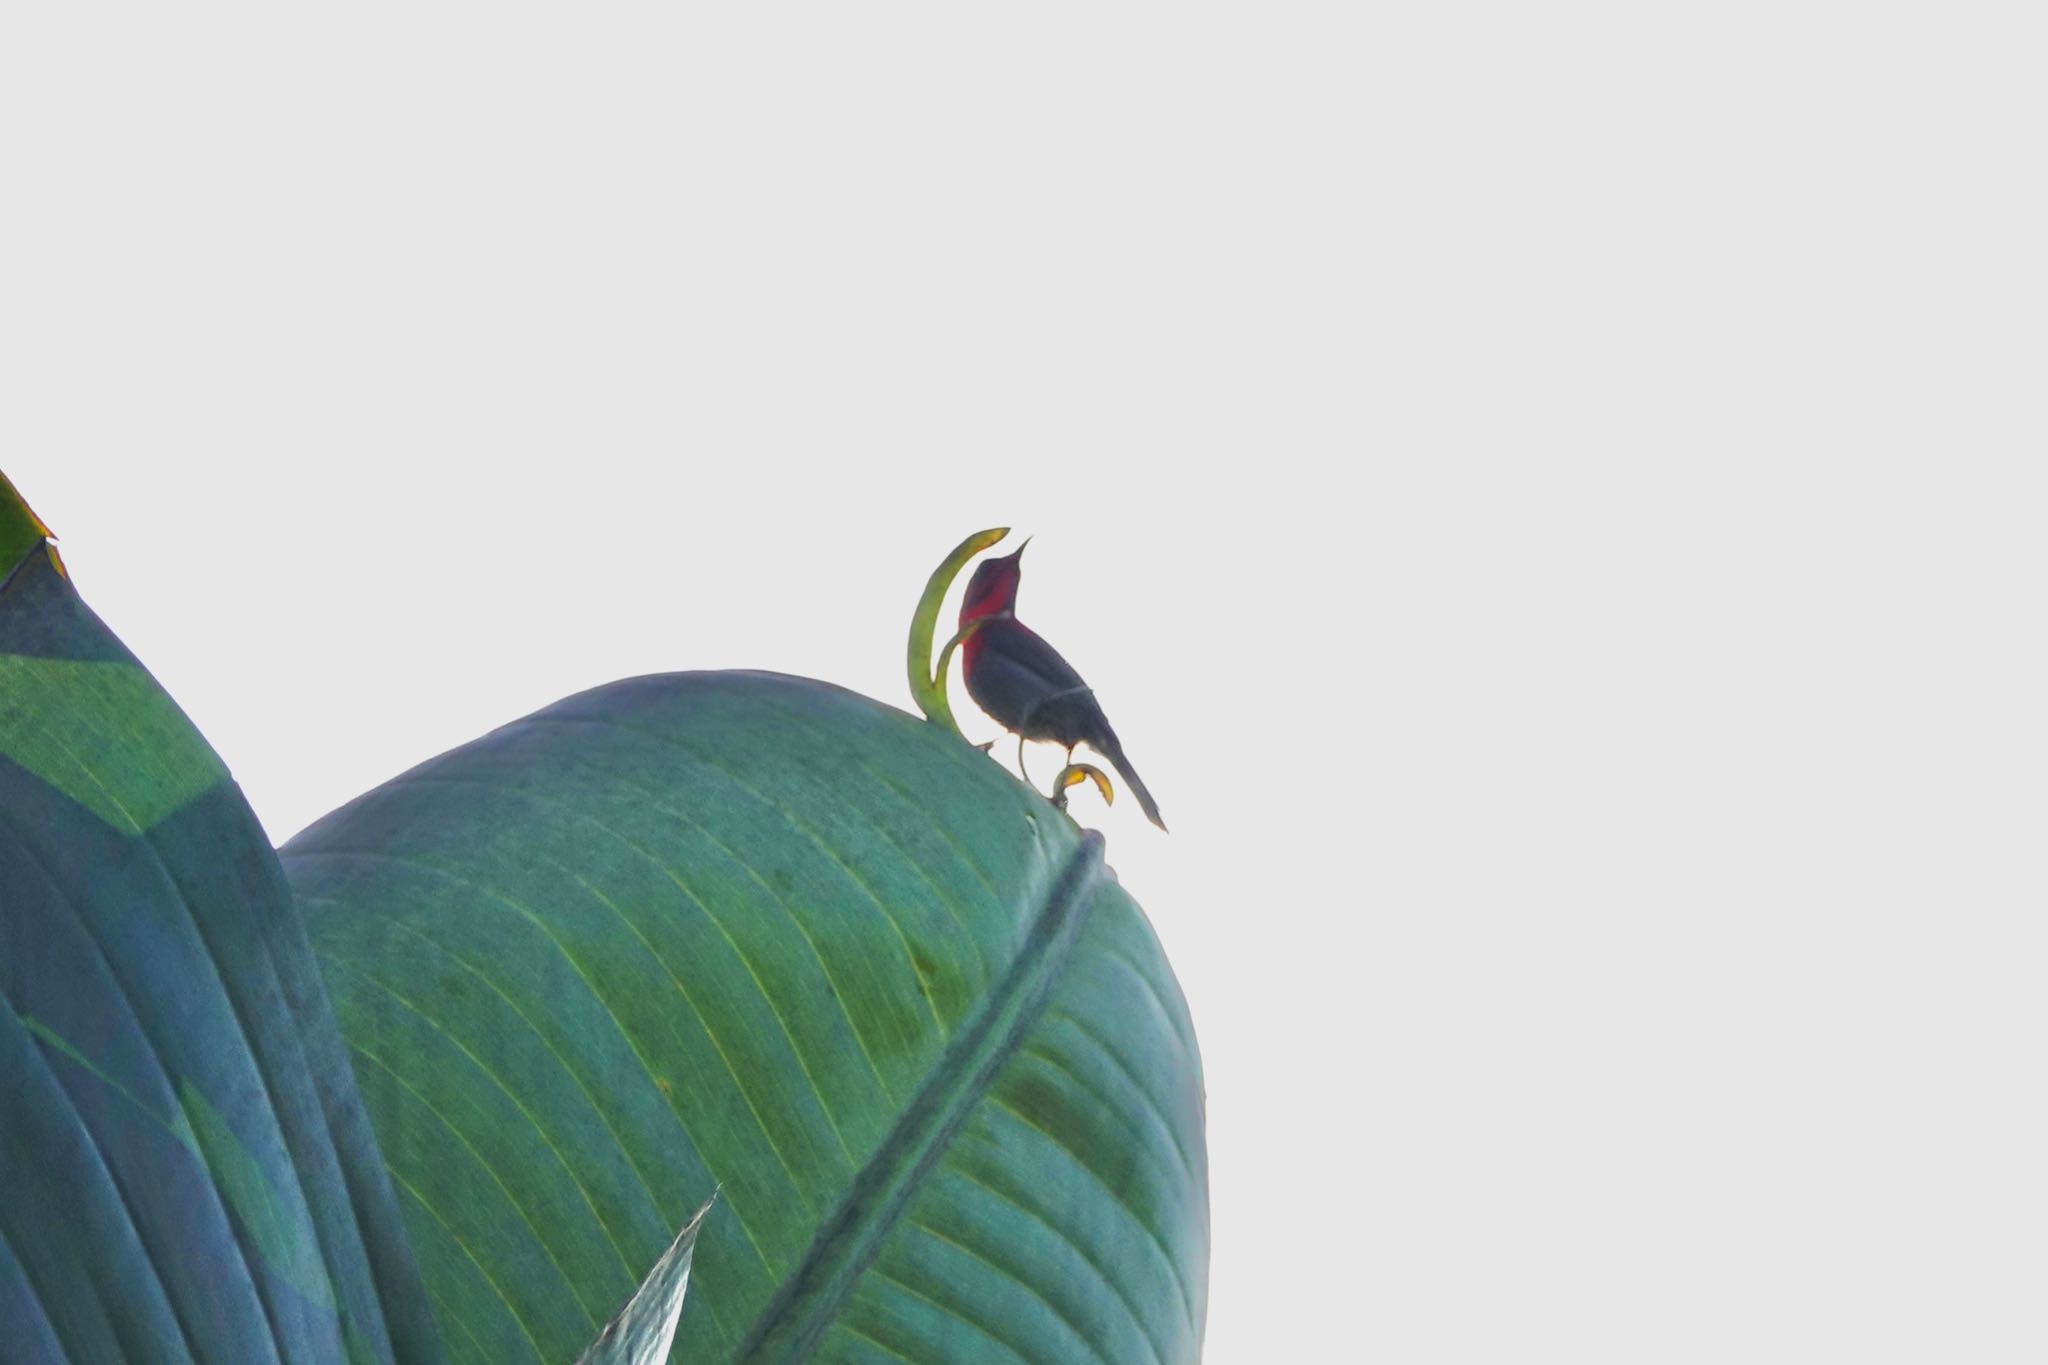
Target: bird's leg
1021,771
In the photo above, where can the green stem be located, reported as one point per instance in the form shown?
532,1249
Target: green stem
946,654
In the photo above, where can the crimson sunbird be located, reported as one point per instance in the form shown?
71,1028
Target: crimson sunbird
1024,684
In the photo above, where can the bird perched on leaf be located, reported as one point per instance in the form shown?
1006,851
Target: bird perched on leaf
1022,681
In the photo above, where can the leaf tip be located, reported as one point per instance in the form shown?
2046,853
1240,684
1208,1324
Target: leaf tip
644,1328
22,531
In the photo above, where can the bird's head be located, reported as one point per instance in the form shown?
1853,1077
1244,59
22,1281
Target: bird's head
994,586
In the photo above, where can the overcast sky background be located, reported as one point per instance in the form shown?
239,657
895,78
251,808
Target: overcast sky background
1550,496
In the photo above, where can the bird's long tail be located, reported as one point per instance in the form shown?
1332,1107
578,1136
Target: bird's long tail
1113,750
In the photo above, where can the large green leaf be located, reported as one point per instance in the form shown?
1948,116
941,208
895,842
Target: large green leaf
186,1171
758,932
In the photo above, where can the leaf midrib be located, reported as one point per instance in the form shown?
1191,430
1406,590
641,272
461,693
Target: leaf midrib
847,1242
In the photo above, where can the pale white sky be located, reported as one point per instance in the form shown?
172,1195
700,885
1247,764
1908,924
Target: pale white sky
1549,496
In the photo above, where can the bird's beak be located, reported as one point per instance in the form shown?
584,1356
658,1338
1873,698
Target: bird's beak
1018,554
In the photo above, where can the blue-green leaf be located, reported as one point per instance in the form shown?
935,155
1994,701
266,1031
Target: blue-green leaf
759,932
186,1172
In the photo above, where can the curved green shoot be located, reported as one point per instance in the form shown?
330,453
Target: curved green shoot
928,686
946,654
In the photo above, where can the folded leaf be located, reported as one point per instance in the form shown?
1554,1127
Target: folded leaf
644,1329
186,1172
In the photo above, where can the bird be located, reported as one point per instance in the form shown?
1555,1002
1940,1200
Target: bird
1024,684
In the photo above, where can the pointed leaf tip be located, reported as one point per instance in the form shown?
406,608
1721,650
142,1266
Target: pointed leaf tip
21,531
642,1332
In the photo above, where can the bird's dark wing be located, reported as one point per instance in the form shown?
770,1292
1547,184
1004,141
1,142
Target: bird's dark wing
1024,683
1017,646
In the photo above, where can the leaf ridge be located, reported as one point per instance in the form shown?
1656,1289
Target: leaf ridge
296,1193
1144,1092
953,905
539,922
1051,1060
788,912
163,1074
1109,1281
799,1314
981,1328
877,1343
590,1101
817,726
143,1242
703,908
909,797
525,1216
1173,1022
442,1314
402,1183
796,822
1015,1277
540,1130
1079,1164
35,1295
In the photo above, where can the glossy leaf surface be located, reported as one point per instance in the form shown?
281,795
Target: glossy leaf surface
756,932
186,1172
